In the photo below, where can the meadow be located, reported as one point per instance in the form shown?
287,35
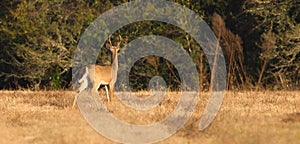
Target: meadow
47,117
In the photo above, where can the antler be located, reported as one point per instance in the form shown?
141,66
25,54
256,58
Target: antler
109,40
108,44
119,41
118,45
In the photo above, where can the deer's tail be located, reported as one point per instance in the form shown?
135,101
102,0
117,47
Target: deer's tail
84,80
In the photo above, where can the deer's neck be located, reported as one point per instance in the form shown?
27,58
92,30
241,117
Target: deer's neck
114,66
115,61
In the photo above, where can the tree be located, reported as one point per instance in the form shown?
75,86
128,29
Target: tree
233,52
282,17
38,38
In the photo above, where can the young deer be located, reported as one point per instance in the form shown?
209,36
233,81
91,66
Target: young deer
102,75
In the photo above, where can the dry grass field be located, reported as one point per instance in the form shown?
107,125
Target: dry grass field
46,117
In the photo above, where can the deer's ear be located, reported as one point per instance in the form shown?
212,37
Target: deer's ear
107,45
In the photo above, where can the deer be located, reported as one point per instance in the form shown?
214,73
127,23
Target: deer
102,75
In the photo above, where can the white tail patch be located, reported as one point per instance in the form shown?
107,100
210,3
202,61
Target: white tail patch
84,80
83,85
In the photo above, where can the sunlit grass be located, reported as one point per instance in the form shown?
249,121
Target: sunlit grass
244,117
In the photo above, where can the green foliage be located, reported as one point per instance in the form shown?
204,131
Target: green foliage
40,36
55,79
38,39
281,18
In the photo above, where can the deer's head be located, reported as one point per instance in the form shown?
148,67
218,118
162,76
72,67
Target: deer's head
111,47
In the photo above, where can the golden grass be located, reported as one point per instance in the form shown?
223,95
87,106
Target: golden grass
46,117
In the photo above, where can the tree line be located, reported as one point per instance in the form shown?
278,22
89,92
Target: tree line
260,41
